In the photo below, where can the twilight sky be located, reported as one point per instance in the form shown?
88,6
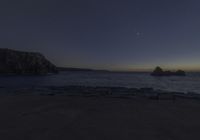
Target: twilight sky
105,34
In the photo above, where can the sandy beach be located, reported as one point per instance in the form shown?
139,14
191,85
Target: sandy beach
61,117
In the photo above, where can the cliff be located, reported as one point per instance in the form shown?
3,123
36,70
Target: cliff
18,62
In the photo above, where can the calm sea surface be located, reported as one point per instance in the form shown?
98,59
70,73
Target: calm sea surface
190,83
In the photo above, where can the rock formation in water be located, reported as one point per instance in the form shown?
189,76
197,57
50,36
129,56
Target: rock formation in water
18,62
180,73
159,72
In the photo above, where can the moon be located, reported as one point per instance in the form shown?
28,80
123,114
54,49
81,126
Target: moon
138,33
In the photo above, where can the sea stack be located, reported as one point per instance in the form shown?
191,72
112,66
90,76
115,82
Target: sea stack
18,62
159,72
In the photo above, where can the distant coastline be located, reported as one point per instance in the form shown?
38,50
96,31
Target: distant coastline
99,70
22,62
79,69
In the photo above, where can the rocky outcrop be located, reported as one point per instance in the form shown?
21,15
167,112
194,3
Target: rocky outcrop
159,72
180,73
18,62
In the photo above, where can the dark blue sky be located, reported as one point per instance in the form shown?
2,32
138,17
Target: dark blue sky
105,34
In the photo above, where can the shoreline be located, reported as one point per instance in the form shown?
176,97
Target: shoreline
88,91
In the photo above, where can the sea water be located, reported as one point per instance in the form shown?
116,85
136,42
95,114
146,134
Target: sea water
189,83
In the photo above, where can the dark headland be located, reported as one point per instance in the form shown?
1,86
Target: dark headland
19,62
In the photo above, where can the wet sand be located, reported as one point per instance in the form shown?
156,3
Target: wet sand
61,117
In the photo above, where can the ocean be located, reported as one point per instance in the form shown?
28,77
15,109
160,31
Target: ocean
189,83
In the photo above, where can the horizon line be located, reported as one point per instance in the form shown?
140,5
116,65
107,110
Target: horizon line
127,70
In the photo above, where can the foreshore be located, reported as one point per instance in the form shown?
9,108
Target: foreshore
101,115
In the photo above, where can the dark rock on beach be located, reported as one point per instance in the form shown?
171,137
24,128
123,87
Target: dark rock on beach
18,62
159,72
